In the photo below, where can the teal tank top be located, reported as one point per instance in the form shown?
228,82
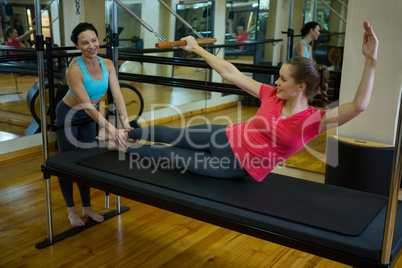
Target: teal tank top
95,89
294,54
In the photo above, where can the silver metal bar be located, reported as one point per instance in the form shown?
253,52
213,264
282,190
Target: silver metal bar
117,202
115,31
107,202
336,13
290,13
174,13
42,98
314,9
43,10
116,64
393,194
143,23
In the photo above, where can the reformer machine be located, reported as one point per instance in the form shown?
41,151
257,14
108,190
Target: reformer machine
373,239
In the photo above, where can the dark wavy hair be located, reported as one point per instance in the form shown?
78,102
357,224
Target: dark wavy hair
304,70
309,25
81,27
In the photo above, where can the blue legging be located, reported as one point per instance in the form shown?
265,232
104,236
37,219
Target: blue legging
71,138
201,149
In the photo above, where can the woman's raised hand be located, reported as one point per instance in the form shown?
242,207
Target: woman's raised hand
191,43
370,42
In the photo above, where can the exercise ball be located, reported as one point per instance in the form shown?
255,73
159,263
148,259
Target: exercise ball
132,67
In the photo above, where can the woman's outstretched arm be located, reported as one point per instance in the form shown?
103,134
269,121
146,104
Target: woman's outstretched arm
224,68
346,112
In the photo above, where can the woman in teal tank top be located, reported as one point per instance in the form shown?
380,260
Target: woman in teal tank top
310,32
89,77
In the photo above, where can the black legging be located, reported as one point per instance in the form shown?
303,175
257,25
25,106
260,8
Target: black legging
201,149
71,138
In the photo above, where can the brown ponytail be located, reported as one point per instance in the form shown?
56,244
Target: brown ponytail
324,76
314,75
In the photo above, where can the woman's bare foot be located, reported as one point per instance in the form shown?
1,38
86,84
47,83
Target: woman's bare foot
90,213
74,218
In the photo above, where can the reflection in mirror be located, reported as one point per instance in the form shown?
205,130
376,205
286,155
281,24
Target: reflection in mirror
331,16
133,35
129,29
199,16
15,114
241,27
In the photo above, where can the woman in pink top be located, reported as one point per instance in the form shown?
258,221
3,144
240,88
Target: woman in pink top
242,35
13,40
284,123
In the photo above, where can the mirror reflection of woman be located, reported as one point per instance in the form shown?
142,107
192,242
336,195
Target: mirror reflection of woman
242,35
310,32
15,40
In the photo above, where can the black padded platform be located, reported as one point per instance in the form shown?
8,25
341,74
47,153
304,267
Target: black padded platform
342,211
363,250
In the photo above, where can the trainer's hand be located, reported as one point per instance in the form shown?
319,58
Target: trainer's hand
121,138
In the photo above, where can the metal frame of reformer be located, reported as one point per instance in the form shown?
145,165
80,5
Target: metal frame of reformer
164,198
215,219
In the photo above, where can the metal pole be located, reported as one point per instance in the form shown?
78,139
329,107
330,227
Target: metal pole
116,64
290,31
180,19
42,95
115,36
143,23
314,9
393,193
48,5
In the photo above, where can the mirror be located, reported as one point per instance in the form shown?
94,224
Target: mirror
15,115
133,35
128,28
200,16
331,16
241,27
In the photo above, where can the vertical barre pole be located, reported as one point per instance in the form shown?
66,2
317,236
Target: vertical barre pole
115,38
314,10
116,64
42,94
290,31
393,193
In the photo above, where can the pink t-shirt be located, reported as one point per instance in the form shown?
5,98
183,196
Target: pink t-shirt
266,140
14,43
242,38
